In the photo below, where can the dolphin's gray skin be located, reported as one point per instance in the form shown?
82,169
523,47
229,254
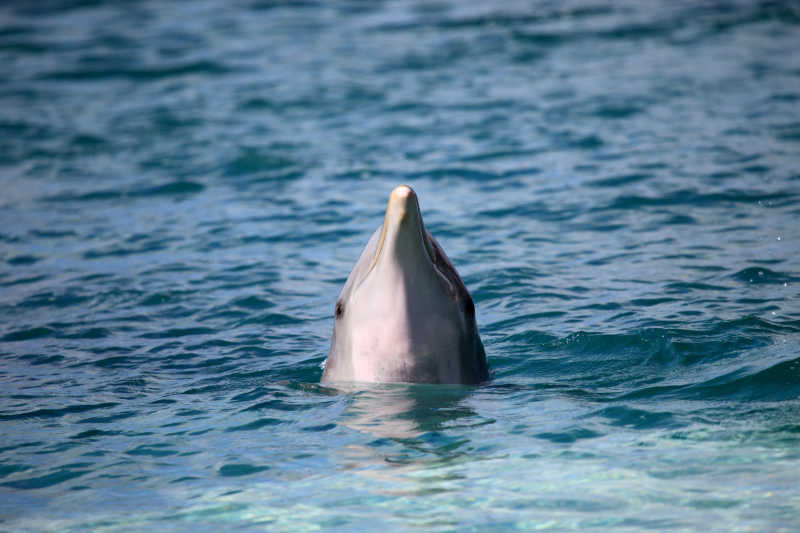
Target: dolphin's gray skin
404,315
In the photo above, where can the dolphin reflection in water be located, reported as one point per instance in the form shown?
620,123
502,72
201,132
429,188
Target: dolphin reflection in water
404,315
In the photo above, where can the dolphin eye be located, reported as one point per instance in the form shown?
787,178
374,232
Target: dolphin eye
339,309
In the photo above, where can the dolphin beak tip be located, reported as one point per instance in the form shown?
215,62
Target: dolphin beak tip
402,194
402,201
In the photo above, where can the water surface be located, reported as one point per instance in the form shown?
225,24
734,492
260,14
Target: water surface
186,185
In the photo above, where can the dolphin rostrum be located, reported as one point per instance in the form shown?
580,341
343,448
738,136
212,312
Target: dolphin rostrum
404,315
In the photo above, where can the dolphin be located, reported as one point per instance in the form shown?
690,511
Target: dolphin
404,315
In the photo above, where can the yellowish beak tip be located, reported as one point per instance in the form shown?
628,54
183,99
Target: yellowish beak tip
402,192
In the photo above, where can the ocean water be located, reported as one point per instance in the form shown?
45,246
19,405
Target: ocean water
184,187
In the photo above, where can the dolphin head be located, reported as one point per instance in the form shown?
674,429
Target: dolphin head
404,315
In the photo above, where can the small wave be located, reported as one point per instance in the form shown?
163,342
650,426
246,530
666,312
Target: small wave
93,434
252,160
252,302
57,413
153,450
23,260
165,297
22,280
649,302
240,469
175,188
617,181
8,469
761,275
694,198
649,363
88,333
272,319
48,480
28,334
275,404
686,287
178,332
778,382
116,417
624,416
788,132
569,436
150,245
201,68
119,361
169,189
53,234
456,172
256,424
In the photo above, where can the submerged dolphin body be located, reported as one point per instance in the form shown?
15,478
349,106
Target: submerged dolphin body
404,315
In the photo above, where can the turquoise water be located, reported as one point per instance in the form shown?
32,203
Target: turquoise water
186,185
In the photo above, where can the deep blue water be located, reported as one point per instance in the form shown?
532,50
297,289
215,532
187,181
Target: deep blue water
184,187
